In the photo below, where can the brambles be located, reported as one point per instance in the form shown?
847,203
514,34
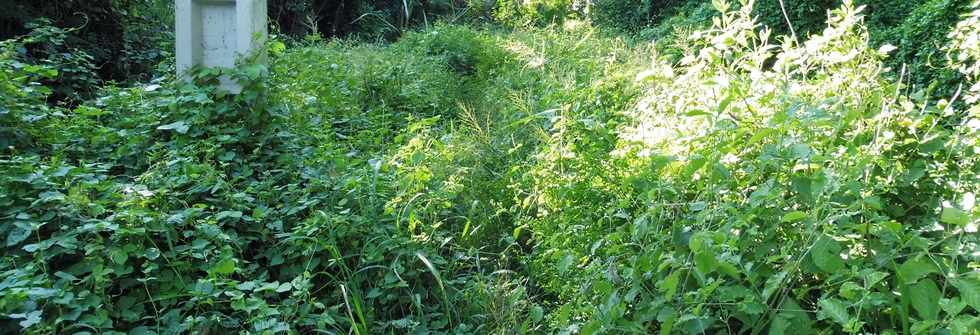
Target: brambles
480,181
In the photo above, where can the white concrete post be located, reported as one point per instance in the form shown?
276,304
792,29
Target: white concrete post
215,33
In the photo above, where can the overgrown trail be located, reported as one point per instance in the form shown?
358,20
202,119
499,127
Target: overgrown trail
457,123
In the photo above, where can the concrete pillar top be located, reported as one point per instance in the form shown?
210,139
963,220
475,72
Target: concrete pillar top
216,33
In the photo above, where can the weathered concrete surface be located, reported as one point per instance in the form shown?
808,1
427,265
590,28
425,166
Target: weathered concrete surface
216,33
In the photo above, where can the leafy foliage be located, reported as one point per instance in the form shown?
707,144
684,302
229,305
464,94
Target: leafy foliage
470,180
782,188
91,41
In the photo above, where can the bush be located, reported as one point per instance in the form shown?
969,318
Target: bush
174,207
763,188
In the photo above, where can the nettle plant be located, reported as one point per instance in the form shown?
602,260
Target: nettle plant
774,188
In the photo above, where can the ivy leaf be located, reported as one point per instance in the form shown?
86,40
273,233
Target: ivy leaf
826,254
246,286
914,269
50,196
924,296
833,309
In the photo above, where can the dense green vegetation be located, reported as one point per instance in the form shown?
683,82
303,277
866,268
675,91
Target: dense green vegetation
509,167
127,41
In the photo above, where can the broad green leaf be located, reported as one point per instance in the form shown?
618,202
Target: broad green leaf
667,317
914,269
761,134
969,287
952,306
874,277
178,126
773,283
152,253
246,286
964,325
20,233
954,216
923,327
228,214
800,321
226,156
591,328
779,325
118,256
566,262
925,297
794,216
695,325
728,269
705,262
537,314
225,266
669,285
835,310
826,254
804,187
802,151
30,319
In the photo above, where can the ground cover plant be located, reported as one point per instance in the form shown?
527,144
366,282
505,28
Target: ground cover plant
473,178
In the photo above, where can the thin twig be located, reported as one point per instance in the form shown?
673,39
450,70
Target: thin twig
792,31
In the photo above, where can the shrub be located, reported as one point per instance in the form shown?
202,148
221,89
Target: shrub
762,187
174,207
